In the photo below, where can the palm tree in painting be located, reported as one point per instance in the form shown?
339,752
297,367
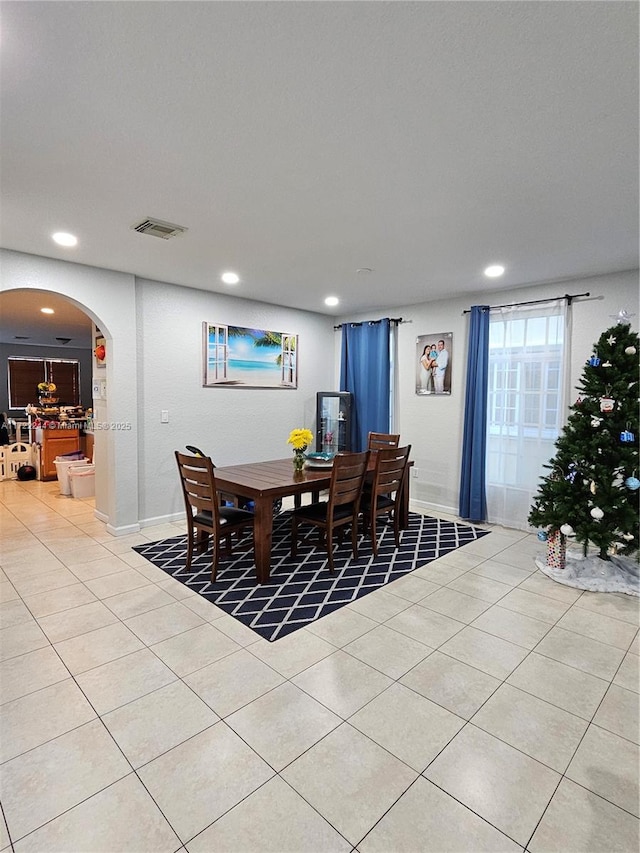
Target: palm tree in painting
261,338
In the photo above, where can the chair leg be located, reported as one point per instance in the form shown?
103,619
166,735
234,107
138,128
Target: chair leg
216,560
189,547
228,543
396,527
330,555
203,541
329,542
354,538
374,535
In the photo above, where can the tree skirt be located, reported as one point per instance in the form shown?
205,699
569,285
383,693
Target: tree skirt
619,574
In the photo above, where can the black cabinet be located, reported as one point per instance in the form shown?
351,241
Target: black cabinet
333,421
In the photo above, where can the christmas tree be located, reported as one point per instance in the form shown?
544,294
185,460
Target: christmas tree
592,490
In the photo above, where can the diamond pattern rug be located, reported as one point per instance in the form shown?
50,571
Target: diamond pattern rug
301,589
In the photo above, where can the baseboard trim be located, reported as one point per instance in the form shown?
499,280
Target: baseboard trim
126,530
162,519
101,516
425,506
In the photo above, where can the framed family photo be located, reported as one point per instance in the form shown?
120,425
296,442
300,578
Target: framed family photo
433,364
248,358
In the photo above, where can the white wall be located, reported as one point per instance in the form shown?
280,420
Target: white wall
434,425
232,425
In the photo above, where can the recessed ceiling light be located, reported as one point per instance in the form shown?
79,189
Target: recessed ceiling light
494,271
47,311
331,300
64,239
230,277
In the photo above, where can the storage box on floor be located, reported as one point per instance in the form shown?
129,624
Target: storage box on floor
63,465
83,480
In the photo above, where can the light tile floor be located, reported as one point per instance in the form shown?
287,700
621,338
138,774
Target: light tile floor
476,706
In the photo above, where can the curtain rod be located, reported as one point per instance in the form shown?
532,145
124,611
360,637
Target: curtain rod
567,296
371,322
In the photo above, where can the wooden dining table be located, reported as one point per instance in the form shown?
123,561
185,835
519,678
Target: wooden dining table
264,482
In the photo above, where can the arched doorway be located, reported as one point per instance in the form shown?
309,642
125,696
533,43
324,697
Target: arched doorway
108,299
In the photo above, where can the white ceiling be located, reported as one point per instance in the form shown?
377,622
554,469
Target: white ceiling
300,141
22,319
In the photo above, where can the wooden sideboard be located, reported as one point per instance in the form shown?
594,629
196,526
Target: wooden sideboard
55,442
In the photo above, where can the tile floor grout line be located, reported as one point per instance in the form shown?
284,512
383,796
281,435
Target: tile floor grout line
393,681
544,811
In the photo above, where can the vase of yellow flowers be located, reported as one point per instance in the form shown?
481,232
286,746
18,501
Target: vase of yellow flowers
46,390
299,439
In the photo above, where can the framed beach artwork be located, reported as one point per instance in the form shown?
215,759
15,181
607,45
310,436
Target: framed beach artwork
235,356
433,364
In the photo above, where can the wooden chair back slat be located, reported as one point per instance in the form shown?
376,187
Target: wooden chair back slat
349,471
198,483
382,440
390,468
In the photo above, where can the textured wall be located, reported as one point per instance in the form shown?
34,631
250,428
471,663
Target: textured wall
233,425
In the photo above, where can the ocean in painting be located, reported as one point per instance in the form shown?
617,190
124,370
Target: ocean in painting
253,366
243,371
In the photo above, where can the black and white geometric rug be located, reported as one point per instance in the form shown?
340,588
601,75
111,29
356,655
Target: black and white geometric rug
301,589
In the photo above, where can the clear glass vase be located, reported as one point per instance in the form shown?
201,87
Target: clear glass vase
298,460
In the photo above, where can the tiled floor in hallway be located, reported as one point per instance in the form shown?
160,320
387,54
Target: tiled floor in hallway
475,706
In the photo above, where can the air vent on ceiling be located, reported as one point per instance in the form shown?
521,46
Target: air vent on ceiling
157,228
63,341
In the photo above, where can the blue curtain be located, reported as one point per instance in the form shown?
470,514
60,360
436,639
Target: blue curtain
473,500
365,371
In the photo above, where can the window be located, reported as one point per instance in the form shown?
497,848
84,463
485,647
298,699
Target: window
26,373
217,353
288,360
527,348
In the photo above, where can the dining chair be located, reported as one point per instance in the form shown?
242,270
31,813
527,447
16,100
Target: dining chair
385,494
224,496
381,440
205,517
342,506
234,500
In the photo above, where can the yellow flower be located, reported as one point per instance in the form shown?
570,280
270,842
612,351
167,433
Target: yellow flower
300,438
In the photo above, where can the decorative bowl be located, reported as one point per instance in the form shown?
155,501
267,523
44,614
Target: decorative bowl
319,460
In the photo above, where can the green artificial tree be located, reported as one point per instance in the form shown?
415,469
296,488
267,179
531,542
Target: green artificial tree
592,490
